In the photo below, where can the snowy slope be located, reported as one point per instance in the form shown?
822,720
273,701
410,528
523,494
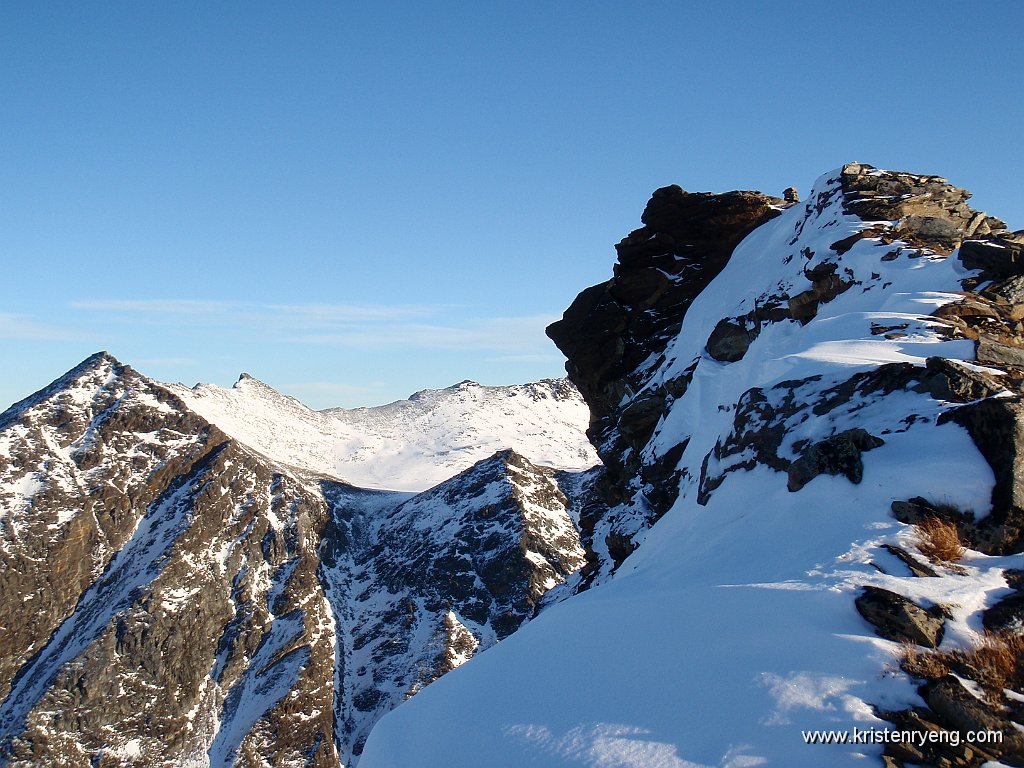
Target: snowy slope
733,627
408,445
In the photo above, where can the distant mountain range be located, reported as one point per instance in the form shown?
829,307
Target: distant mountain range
408,445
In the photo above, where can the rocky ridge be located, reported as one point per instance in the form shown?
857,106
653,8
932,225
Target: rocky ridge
905,217
782,422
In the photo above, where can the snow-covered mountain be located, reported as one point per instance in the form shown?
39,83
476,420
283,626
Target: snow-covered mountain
408,445
172,595
774,419
785,397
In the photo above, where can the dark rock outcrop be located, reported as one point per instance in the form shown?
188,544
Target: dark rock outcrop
1007,615
835,455
686,240
996,424
894,617
826,284
1000,257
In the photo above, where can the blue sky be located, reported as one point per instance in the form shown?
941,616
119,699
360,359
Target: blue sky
356,201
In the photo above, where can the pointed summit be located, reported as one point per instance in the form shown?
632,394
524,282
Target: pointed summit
95,369
97,361
248,380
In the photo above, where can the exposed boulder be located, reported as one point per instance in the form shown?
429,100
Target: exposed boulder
996,425
916,567
897,618
951,380
995,352
825,286
835,455
731,339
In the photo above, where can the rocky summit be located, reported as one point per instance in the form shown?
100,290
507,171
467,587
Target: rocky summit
802,545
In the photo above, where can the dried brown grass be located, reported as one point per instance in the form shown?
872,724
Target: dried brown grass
939,540
996,663
921,663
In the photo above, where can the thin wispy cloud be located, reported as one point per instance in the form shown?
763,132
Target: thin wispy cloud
16,327
352,313
352,325
156,306
293,316
513,334
535,358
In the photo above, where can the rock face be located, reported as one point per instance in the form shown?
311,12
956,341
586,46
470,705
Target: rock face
685,242
897,618
615,331
923,210
170,596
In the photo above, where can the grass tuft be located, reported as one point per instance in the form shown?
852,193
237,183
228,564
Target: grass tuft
939,540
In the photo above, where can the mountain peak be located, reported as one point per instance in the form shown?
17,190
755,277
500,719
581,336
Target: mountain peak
98,361
247,379
91,372
100,357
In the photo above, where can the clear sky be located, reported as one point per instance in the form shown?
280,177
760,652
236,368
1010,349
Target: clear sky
354,201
